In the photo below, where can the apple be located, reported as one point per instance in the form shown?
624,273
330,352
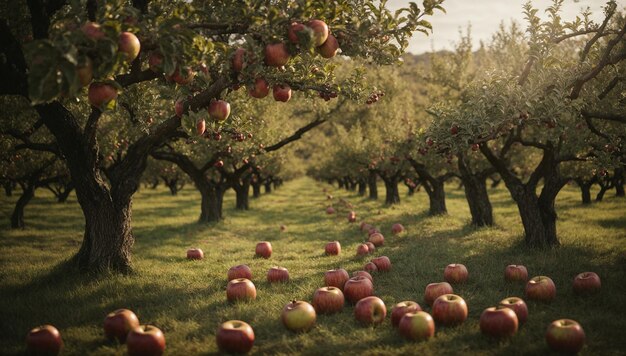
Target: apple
101,94
179,107
219,110
260,88
239,271
363,274
377,239
182,79
541,288
455,273
145,340
129,45
365,226
117,324
498,322
435,290
240,289
195,254
263,249
238,61
320,31
516,273
85,72
336,278
281,92
276,54
519,307
296,29
200,127
329,48
277,274
218,164
362,250
565,335
371,247
92,30
372,230
449,310
328,300
155,61
333,248
370,310
402,308
382,263
330,210
352,216
397,228
454,130
417,326
235,336
44,340
587,282
370,267
298,316
357,288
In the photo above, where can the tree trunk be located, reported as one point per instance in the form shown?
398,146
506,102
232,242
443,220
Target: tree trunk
495,182
603,189
155,184
586,193
172,184
475,186
538,218
618,182
65,193
411,191
340,183
371,185
8,188
17,218
268,186
391,191
242,191
210,209
351,184
256,189
362,187
437,198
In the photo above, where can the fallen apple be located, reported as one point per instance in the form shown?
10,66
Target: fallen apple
382,263
357,288
449,310
363,274
328,300
377,239
240,289
435,290
402,308
418,326
565,335
117,324
586,282
235,336
455,273
516,273
145,340
397,229
298,316
498,322
195,254
333,248
362,250
370,310
370,267
263,249
336,278
44,340
519,307
277,274
239,271
541,288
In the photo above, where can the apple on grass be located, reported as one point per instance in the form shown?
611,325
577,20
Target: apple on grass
377,239
362,250
44,340
499,322
235,336
333,248
330,210
435,290
519,307
239,271
402,308
370,267
328,300
417,326
298,316
382,263
357,288
240,289
371,247
565,335
541,288
352,216
449,310
370,310
117,324
145,340
195,254
397,228
263,249
365,226
587,282
516,273
336,278
277,274
363,274
455,273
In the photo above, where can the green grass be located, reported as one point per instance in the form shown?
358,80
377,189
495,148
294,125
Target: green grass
187,300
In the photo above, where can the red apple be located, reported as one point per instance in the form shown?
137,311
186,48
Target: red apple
282,92
195,254
370,310
239,271
449,310
382,263
296,29
235,336
263,249
370,267
238,61
179,107
454,130
145,340
519,307
352,216
587,282
336,278
155,62
240,289
362,250
397,228
357,288
277,274
328,300
330,210
276,54
371,247
117,324
498,322
219,110
92,30
435,290
333,248
183,78
372,230
402,308
329,48
101,94
516,273
260,89
377,239
541,288
363,274
298,316
455,273
200,127
218,164
365,226
129,44
418,326
565,335
320,31
44,340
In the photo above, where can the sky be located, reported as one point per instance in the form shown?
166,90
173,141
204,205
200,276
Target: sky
485,17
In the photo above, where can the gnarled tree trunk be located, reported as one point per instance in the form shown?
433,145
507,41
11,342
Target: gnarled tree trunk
391,190
268,186
8,188
17,218
585,189
475,186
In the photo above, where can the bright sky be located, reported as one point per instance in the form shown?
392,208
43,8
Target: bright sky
485,17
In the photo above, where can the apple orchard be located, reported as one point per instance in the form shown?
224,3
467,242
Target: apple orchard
232,116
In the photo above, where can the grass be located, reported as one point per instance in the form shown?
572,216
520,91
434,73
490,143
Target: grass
187,300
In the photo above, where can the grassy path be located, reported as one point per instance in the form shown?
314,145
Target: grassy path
186,299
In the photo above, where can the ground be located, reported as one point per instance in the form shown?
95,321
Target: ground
187,299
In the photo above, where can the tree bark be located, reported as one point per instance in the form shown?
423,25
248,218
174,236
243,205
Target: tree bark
65,193
362,187
242,192
436,197
391,190
340,183
602,192
585,190
475,186
256,189
618,182
268,186
211,209
17,218
8,188
371,185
